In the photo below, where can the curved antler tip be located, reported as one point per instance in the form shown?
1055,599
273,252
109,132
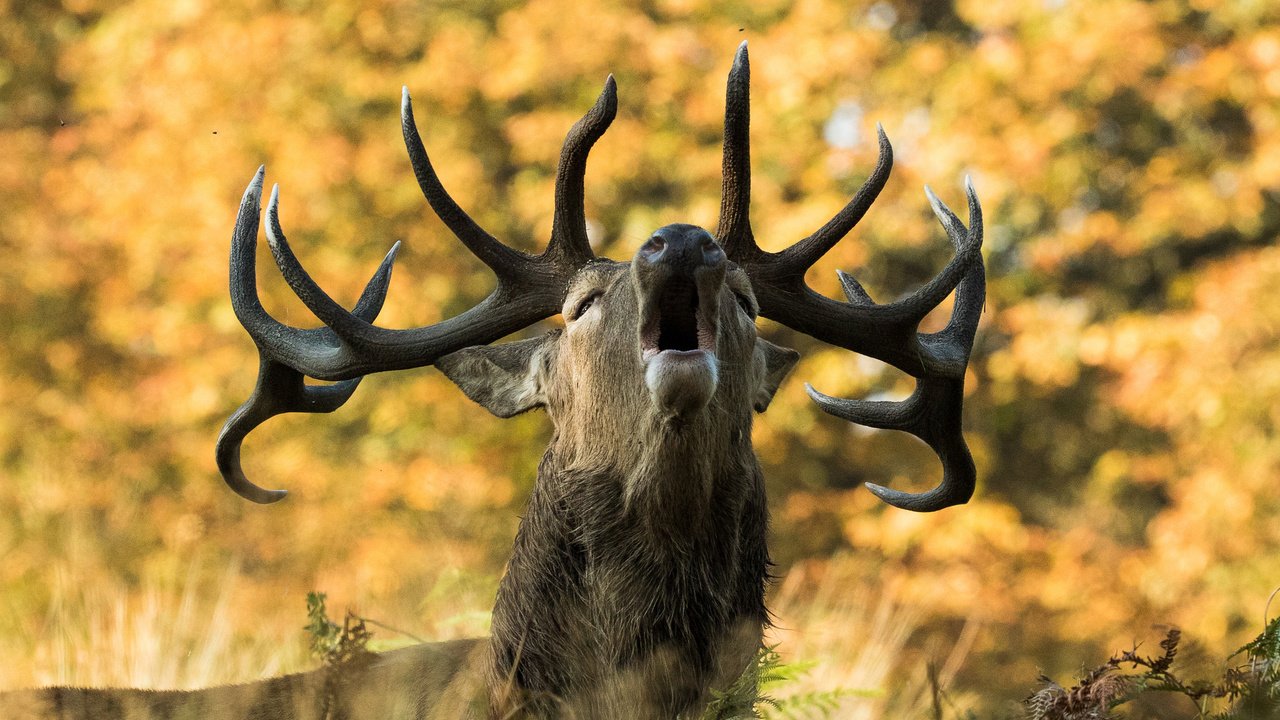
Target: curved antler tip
886,147
395,248
922,502
267,497
817,395
888,495
740,58
275,194
241,486
227,455
742,46
968,184
939,208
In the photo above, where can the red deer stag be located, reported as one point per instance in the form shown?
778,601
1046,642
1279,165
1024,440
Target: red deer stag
637,580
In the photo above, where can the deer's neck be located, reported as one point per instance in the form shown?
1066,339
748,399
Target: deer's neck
679,471
658,565
666,468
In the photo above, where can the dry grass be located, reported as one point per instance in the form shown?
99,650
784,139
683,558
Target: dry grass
855,640
850,640
173,633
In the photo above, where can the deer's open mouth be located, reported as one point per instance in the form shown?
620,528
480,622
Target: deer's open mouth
677,322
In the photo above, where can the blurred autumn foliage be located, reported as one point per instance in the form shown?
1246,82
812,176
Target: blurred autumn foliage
1123,399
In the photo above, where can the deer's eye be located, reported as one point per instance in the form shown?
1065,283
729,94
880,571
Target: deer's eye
585,304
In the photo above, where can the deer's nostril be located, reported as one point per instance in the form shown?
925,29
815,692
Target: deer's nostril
653,248
712,254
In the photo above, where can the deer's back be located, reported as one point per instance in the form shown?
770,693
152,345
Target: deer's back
433,681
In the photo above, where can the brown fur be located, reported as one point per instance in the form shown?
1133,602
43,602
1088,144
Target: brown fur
637,579
435,681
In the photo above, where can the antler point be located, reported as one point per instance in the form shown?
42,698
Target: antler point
255,185
610,95
272,496
406,104
391,254
945,216
886,495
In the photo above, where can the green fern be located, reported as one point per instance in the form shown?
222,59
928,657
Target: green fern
752,694
1254,686
334,644
816,704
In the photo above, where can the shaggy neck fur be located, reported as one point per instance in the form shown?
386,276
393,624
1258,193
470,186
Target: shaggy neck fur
635,586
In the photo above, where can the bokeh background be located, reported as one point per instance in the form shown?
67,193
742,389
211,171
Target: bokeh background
1122,400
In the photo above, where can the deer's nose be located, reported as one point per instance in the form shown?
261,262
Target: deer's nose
682,248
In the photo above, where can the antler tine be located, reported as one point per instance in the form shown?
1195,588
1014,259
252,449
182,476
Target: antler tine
312,352
972,292
734,230
801,256
347,325
244,283
505,262
280,389
932,413
569,243
968,244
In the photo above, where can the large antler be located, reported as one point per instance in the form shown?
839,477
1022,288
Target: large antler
530,288
888,332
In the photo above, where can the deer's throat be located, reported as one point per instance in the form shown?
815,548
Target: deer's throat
673,481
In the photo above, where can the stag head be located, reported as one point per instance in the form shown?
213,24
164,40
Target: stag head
668,339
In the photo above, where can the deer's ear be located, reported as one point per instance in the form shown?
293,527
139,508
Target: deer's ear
506,379
775,362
